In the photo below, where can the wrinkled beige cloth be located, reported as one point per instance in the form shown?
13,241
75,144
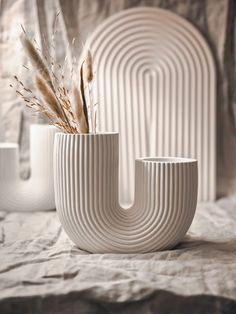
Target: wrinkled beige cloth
215,19
41,271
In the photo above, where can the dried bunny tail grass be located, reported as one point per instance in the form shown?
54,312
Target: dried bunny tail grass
83,126
88,66
49,97
36,59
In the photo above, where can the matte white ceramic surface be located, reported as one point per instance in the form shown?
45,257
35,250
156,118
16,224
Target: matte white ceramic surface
156,84
36,193
86,195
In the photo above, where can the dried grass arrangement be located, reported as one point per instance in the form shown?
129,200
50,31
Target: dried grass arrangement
68,106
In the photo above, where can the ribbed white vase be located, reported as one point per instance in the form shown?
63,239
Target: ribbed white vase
36,193
86,194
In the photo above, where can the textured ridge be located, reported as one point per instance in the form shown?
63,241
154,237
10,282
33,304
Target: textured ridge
86,194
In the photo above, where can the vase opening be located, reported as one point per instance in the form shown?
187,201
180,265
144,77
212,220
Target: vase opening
167,159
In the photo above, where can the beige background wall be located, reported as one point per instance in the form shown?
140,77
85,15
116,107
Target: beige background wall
216,19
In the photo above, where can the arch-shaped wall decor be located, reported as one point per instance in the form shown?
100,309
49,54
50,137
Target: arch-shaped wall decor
156,85
36,193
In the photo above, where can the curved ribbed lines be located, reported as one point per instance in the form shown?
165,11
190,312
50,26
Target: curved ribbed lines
86,189
156,84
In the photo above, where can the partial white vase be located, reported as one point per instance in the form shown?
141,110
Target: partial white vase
86,174
36,193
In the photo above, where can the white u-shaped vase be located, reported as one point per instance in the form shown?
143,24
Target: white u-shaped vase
86,194
36,193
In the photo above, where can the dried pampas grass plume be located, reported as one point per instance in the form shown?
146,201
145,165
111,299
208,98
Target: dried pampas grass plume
35,59
48,97
56,92
79,112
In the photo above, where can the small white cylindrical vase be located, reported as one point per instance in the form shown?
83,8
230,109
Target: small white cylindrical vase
86,195
36,193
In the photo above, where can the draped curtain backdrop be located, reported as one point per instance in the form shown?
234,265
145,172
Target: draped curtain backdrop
215,19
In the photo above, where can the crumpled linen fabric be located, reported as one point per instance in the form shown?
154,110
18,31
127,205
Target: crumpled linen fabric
216,20
41,270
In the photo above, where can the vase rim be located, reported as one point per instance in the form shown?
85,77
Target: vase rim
88,134
163,159
36,125
8,145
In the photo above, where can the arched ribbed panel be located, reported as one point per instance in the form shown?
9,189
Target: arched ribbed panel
86,193
156,86
36,193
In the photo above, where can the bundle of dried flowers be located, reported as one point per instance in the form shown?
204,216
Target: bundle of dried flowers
70,109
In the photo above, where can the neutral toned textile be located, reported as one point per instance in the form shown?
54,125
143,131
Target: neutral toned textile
214,18
41,271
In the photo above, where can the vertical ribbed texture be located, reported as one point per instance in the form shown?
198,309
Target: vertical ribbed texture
156,83
36,193
86,193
